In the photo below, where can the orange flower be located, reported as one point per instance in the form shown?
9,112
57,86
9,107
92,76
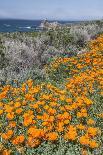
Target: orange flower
7,135
23,88
46,97
52,136
6,152
81,127
4,136
36,133
92,131
51,119
62,97
82,113
1,111
30,83
9,132
60,126
87,101
39,117
31,142
17,104
1,104
93,144
68,100
62,108
27,121
84,140
3,95
8,108
24,103
79,101
51,111
29,97
74,106
10,116
45,123
35,106
45,117
35,89
50,128
79,114
90,122
18,140
40,102
12,124
66,121
53,104
70,135
46,107
19,111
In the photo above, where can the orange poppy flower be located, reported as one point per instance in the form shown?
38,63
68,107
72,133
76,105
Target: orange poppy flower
84,140
93,144
32,142
90,122
52,136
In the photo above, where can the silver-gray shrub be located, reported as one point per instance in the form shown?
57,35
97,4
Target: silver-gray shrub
26,54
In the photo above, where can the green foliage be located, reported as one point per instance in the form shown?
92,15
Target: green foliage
60,38
3,59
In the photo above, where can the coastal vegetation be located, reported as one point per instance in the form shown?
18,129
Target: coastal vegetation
28,53
51,92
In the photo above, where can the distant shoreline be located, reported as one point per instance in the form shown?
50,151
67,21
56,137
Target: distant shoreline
24,25
18,25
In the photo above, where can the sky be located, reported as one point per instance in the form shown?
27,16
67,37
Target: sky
52,9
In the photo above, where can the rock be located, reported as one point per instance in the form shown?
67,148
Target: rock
50,25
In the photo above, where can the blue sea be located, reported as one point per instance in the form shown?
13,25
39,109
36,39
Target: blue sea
8,25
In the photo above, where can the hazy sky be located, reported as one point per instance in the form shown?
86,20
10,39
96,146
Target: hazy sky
51,9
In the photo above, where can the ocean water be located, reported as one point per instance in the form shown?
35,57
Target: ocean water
18,25
7,25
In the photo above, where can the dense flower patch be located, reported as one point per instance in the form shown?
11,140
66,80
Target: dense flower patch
33,113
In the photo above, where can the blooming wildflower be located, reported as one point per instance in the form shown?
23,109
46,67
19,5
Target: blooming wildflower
18,140
70,135
32,142
1,111
93,144
6,152
52,136
81,127
92,131
90,122
84,140
10,116
19,111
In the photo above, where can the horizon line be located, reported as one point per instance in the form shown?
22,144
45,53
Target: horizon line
48,19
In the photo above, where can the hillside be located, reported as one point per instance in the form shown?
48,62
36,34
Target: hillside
24,55
60,111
